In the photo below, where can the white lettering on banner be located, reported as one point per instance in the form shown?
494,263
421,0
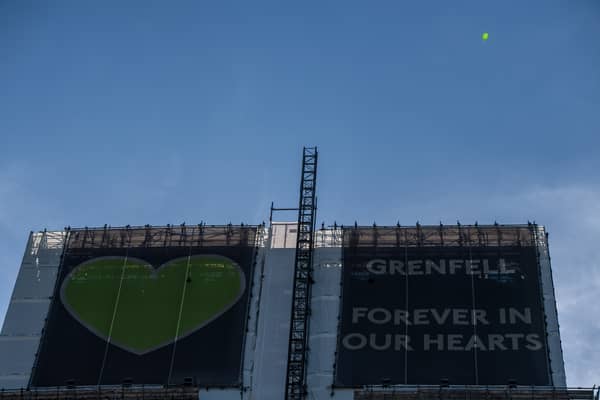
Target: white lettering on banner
461,317
514,316
358,341
420,317
478,267
379,316
425,316
358,312
475,343
454,342
533,342
443,342
430,266
455,265
415,267
396,267
437,342
440,319
496,341
440,342
354,341
479,317
378,267
504,269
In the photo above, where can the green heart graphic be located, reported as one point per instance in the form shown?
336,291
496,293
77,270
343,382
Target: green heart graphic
142,308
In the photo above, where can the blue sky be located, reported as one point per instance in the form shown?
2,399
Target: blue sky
164,112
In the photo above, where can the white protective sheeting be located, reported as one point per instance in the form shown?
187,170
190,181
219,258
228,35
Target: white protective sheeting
557,366
325,308
252,323
20,350
270,362
15,381
284,235
28,308
25,317
35,282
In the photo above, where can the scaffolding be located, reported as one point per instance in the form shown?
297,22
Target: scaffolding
183,235
124,392
300,314
446,392
440,235
202,235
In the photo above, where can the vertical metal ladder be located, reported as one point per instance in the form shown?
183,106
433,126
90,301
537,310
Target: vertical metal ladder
298,343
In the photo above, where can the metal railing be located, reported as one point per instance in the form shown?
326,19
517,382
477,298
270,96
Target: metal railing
451,392
200,235
102,393
428,235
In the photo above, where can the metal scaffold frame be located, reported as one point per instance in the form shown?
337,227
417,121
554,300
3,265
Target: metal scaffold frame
475,392
438,235
183,235
295,387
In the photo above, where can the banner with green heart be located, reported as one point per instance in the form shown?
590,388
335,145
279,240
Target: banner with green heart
140,308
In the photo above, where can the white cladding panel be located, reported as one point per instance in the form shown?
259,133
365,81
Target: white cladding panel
283,235
251,331
35,282
15,381
557,366
25,317
325,308
273,326
28,308
20,351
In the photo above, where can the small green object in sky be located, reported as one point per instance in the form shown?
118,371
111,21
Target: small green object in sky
485,36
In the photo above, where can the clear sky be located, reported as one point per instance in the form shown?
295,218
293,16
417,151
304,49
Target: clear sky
164,112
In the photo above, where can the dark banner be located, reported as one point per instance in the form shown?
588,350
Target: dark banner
429,314
148,315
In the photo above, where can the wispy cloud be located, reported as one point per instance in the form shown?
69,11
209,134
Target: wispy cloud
572,215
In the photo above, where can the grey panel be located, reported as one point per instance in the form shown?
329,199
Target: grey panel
43,258
14,381
284,235
28,308
249,354
325,256
273,327
321,357
35,282
325,311
554,343
18,354
25,317
253,317
325,307
48,257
